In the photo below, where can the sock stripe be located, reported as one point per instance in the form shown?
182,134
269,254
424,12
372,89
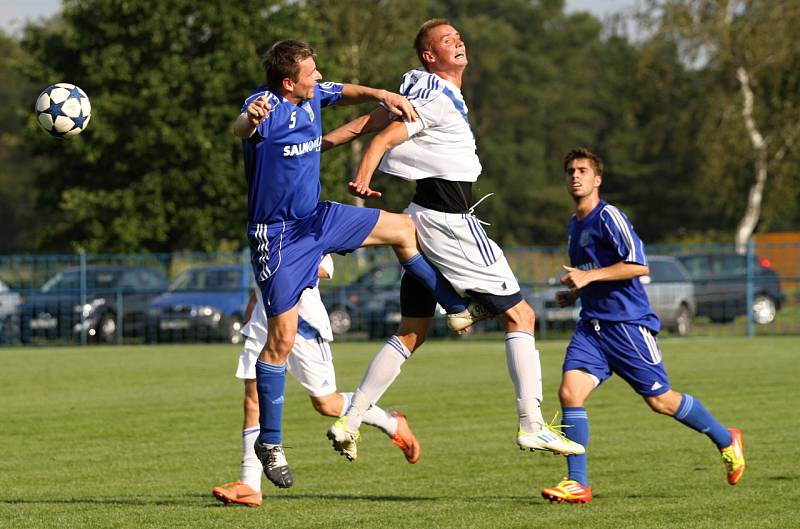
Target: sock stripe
271,368
685,407
249,431
398,346
518,334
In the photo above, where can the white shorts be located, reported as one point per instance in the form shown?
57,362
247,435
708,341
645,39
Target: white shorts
310,363
459,247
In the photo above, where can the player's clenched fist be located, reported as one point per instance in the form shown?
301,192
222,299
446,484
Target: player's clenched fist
257,111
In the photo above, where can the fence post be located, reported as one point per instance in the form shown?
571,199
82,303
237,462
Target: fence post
120,315
751,330
82,256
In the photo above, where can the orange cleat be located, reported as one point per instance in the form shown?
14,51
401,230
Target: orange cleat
237,492
405,439
569,491
733,456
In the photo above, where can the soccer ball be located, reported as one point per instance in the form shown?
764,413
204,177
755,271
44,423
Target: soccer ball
63,110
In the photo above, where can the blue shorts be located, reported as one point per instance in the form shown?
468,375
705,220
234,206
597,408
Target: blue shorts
629,350
286,255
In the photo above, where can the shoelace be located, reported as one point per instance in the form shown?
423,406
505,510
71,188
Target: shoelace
475,205
274,456
557,428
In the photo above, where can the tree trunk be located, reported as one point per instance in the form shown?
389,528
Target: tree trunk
747,224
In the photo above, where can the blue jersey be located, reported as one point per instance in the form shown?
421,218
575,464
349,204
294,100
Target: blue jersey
606,237
281,158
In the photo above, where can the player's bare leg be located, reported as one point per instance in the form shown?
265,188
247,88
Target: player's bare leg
381,373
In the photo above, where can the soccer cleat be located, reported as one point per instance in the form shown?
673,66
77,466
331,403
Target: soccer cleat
345,442
405,439
551,439
569,491
275,466
461,321
733,456
237,492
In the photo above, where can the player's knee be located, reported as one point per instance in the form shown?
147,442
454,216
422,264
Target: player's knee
326,407
521,315
664,404
569,397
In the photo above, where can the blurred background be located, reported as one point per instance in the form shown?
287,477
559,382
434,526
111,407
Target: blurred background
133,231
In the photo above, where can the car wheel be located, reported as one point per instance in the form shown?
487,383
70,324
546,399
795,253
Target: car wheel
341,321
683,321
764,309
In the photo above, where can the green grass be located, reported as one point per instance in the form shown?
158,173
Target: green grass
136,437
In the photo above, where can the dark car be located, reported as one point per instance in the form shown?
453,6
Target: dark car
113,296
669,290
361,304
720,284
204,304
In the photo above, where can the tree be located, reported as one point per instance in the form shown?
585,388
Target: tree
750,49
158,168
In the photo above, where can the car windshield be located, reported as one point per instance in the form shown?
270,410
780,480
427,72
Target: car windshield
207,279
665,271
71,280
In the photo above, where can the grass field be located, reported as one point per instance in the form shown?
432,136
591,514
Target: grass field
136,437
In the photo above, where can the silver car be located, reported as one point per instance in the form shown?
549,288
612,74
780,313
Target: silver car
668,287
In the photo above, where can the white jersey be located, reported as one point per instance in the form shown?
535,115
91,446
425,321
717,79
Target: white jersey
441,143
313,317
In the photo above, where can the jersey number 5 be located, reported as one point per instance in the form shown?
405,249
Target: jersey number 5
293,120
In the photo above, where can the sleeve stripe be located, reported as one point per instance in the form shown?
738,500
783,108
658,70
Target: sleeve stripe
622,226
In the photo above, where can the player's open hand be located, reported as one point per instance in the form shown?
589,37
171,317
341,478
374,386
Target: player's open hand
399,105
258,111
362,189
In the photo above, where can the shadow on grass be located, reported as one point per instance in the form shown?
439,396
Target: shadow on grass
192,499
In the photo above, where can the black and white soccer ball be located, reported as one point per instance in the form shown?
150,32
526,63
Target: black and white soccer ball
63,110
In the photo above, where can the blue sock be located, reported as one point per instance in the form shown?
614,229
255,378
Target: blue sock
578,432
271,382
432,278
693,414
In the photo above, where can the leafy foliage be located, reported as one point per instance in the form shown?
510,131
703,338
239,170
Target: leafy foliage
158,168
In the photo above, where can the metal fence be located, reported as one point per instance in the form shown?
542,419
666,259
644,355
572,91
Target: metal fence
702,290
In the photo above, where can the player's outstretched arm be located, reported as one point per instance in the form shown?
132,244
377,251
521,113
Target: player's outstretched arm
394,103
255,114
394,134
368,123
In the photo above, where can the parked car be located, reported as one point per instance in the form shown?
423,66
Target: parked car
58,311
9,301
669,289
9,305
720,284
205,303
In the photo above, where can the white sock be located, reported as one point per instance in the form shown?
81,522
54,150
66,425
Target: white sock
374,416
382,371
525,371
251,466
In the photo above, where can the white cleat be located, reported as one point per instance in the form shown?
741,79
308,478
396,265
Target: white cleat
461,321
344,441
549,439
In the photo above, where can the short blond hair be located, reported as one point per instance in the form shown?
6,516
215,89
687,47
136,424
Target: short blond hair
422,41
